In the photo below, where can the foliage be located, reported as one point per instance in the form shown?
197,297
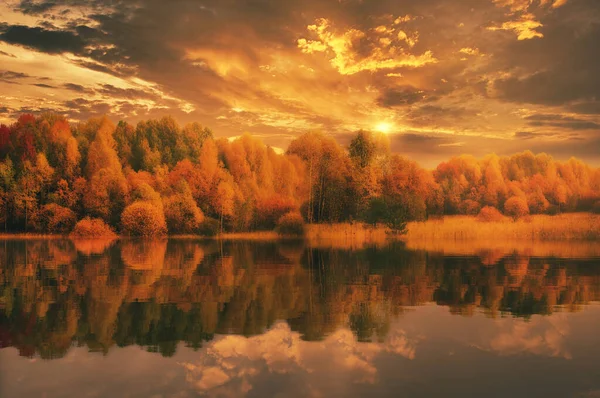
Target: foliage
516,207
57,219
390,212
209,227
182,214
291,223
92,228
142,218
490,214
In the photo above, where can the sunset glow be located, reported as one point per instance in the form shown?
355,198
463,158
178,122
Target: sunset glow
384,128
451,77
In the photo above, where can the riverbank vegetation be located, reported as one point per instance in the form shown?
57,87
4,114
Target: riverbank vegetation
157,178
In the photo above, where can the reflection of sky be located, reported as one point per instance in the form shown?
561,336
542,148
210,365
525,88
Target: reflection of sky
427,352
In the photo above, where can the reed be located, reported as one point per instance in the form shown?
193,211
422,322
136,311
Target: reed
583,227
569,226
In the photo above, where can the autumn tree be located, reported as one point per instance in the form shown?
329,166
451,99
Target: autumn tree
181,212
107,190
516,207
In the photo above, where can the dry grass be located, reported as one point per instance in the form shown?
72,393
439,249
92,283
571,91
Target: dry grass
467,231
346,235
572,226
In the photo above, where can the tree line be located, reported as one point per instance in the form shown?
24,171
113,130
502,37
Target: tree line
157,177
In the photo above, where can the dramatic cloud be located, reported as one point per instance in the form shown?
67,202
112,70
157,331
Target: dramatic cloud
469,73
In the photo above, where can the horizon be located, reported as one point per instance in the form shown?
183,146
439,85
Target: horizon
441,79
344,144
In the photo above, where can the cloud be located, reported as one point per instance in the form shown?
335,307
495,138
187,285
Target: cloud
43,85
9,76
41,39
404,95
78,88
562,121
525,27
348,61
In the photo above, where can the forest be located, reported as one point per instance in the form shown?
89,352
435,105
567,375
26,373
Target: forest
156,178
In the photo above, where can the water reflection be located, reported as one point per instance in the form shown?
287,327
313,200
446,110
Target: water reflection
57,294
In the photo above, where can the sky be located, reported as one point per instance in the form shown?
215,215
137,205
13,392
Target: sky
440,77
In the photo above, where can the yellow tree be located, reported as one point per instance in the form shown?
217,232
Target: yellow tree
107,188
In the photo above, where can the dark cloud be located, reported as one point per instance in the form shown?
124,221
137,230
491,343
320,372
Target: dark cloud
561,67
36,7
11,75
50,41
129,93
566,122
527,135
399,96
85,109
43,85
78,88
7,54
586,108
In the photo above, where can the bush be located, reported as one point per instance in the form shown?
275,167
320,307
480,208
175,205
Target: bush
291,223
469,207
209,227
490,214
269,210
142,218
57,219
596,207
182,214
516,207
553,210
92,228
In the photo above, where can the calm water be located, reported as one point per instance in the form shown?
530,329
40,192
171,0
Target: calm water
184,318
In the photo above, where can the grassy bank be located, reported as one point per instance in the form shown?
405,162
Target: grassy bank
571,226
564,227
467,230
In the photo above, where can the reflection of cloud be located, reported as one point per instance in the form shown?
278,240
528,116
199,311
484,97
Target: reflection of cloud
540,336
230,364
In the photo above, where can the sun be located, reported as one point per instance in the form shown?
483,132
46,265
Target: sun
384,127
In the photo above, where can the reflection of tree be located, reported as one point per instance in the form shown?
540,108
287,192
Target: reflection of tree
53,294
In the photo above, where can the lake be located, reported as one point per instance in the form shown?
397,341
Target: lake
186,318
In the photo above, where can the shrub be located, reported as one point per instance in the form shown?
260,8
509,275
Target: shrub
209,227
596,207
490,214
182,214
269,210
537,203
291,223
390,211
57,219
142,218
469,207
92,228
516,207
553,210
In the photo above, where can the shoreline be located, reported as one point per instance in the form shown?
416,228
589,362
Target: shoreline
581,227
